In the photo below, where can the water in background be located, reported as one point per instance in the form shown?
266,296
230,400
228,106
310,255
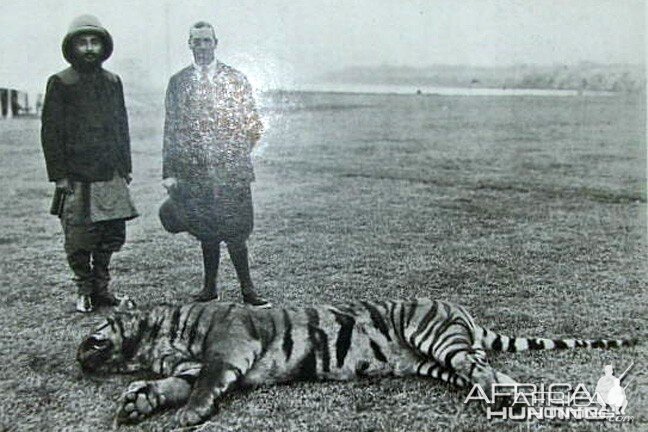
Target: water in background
448,91
154,101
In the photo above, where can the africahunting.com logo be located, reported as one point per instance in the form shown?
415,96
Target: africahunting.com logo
558,401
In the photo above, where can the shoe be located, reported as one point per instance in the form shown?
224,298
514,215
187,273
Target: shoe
204,296
254,300
125,304
105,299
84,304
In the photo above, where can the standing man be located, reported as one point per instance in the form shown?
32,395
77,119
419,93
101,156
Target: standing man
210,129
87,152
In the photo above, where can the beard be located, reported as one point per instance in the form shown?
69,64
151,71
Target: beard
90,58
87,62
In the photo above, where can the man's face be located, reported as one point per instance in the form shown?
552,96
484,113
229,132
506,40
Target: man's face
88,48
203,44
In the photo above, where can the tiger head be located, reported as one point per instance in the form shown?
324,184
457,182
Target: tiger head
111,346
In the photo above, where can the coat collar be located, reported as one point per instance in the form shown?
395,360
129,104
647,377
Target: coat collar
210,68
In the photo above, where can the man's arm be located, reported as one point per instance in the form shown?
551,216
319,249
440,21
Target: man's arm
124,136
253,124
53,132
170,142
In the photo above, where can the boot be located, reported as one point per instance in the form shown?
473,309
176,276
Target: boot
211,259
84,304
250,297
239,254
79,262
100,295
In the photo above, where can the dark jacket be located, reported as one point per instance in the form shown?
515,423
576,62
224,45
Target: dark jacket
84,124
210,127
84,127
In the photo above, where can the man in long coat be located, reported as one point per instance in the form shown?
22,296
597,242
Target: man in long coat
86,145
211,126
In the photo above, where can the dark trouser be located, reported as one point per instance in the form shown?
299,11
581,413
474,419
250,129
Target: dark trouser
89,248
238,253
214,214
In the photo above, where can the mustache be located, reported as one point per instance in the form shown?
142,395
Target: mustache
90,58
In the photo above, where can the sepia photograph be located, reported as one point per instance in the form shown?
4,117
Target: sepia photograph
326,215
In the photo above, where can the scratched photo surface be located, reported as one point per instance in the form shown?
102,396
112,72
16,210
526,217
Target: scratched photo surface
488,154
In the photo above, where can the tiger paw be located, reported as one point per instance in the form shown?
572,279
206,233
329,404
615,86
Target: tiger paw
139,401
187,417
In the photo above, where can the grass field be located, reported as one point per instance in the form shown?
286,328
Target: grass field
530,211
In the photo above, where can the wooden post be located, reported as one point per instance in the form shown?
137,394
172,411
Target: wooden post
4,102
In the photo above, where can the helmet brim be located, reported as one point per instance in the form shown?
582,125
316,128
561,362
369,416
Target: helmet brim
68,49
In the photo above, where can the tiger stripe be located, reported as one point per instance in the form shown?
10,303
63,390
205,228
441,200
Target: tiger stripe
212,346
377,351
175,321
318,339
497,342
377,319
287,345
344,336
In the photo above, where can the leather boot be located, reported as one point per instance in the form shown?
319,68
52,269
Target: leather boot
211,259
79,262
101,296
239,254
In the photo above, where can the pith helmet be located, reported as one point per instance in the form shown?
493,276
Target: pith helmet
86,24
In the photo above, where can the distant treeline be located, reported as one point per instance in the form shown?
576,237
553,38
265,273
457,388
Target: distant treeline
583,76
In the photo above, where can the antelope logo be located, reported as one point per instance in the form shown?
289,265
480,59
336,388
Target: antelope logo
610,393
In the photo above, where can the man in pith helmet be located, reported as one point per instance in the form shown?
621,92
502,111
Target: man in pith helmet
87,152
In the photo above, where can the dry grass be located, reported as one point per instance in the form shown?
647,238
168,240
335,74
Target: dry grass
531,211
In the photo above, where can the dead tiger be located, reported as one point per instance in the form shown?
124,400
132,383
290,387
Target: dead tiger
202,350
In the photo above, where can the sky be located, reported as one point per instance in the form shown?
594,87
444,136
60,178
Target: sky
278,43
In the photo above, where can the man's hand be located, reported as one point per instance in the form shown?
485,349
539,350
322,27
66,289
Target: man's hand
254,136
169,183
64,185
128,178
